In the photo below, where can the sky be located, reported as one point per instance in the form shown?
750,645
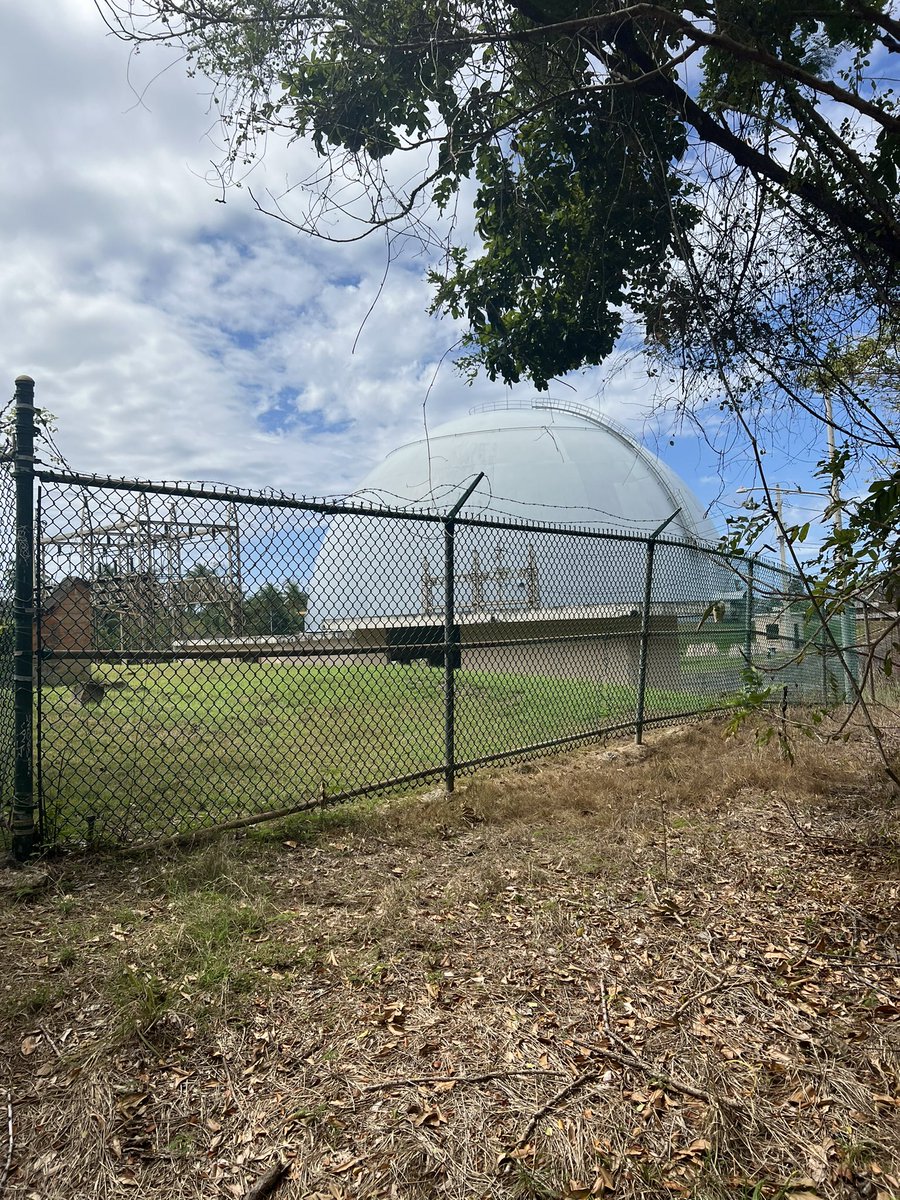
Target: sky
177,337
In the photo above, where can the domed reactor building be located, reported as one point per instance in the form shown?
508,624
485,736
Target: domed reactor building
526,600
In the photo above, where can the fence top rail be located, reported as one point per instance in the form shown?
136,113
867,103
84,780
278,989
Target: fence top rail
232,495
325,507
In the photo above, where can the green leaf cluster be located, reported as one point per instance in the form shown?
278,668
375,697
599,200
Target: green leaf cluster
597,139
576,211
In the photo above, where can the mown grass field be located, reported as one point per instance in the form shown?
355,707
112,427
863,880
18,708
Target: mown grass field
181,746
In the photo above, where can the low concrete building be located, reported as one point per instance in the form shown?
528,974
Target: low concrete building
597,642
779,631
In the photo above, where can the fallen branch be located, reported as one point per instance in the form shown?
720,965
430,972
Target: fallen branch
392,1083
665,1081
553,1102
268,1184
627,1058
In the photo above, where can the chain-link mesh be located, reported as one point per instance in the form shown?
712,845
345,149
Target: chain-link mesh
798,652
550,628
878,659
749,630
206,657
7,639
189,679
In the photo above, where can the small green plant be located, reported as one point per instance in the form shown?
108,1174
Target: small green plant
527,1184
140,1001
182,1145
30,1002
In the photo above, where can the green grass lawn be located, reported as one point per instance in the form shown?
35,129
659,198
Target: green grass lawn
185,745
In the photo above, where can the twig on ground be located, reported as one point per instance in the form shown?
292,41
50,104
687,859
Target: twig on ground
794,1035
607,1028
553,1102
50,1042
861,960
716,987
392,1083
814,839
269,1183
9,1147
624,1057
627,1057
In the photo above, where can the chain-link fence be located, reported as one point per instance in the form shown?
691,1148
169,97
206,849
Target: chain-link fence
203,657
7,576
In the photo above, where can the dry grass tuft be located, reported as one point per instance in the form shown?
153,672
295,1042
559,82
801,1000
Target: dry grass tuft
670,971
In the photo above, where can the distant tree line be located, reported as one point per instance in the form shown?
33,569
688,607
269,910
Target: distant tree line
271,609
274,609
140,613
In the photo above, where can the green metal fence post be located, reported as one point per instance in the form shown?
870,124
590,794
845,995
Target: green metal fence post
449,670
645,630
644,647
23,829
451,642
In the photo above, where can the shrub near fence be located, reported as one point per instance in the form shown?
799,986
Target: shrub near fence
205,657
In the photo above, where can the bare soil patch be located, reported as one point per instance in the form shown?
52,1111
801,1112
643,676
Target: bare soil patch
662,972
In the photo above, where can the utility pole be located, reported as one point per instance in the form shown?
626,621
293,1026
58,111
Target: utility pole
779,512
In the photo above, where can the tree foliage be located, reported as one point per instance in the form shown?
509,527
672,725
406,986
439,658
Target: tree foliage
590,131
722,174
222,612
272,610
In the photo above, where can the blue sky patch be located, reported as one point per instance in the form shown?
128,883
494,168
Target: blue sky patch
283,414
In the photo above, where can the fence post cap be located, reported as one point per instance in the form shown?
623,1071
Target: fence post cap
24,379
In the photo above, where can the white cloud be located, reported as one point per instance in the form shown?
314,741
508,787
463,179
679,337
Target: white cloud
168,331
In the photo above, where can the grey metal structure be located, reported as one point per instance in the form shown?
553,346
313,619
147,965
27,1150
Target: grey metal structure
142,568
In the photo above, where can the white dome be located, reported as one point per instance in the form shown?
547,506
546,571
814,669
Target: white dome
547,462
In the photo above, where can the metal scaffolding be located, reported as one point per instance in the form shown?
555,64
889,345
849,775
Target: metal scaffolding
146,575
501,588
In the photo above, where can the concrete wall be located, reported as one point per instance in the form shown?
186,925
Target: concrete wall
604,650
